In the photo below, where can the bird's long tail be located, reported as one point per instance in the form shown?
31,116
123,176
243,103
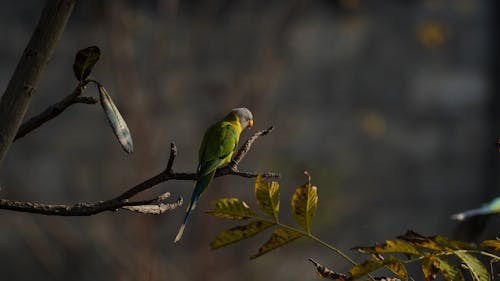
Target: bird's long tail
200,186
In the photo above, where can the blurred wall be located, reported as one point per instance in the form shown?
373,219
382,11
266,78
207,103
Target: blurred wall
386,103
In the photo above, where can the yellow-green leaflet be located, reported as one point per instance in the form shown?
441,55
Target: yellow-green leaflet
116,121
304,203
268,197
238,233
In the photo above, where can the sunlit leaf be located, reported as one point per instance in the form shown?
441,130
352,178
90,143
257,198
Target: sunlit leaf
437,243
231,208
116,121
449,271
268,197
476,268
493,244
84,62
430,271
280,237
397,267
304,203
365,267
449,244
238,233
324,272
391,246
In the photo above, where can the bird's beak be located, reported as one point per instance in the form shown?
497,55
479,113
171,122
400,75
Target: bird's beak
250,123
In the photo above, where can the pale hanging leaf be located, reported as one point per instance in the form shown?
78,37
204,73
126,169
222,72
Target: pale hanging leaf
324,272
231,208
476,267
304,203
268,197
84,62
238,233
391,246
491,244
280,237
116,121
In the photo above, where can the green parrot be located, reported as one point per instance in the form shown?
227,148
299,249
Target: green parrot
217,148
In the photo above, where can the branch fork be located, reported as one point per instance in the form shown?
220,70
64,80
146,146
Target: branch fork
156,205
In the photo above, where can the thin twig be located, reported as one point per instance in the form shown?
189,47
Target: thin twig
151,206
54,110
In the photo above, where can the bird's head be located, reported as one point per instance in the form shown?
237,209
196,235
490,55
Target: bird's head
245,117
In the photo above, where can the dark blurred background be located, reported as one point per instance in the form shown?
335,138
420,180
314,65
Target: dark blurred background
392,106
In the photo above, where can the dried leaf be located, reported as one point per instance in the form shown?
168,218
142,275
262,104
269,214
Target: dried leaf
391,246
268,197
238,233
231,208
304,203
280,237
116,121
476,268
156,209
84,62
325,272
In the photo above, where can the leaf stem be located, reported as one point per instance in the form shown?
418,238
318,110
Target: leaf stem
339,252
319,241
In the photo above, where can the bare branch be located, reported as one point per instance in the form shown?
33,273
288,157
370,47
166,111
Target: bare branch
246,146
173,153
151,206
54,110
24,80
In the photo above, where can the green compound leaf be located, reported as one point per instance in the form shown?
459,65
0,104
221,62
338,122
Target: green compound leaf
231,208
476,268
116,121
84,62
304,203
391,246
268,197
280,237
238,233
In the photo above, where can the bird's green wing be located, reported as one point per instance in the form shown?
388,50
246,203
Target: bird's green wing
219,143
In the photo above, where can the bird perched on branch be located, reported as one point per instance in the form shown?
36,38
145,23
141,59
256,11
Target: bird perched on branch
219,143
